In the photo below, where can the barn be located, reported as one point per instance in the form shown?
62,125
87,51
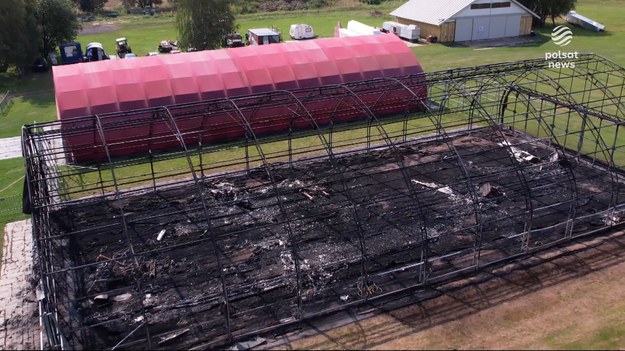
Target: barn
466,20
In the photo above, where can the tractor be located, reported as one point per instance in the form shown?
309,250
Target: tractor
123,47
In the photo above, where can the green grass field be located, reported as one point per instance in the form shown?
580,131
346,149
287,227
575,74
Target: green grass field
11,185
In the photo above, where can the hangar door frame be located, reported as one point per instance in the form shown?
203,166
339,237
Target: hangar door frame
495,26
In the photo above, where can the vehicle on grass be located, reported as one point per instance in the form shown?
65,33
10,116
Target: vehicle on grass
40,65
233,40
409,32
166,46
263,36
122,47
95,52
302,31
70,53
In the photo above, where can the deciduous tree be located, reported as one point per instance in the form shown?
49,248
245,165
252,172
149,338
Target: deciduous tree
202,24
549,8
19,33
57,23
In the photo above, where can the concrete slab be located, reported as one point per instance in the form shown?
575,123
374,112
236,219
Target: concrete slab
10,148
19,321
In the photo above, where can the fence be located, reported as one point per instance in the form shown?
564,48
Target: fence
5,102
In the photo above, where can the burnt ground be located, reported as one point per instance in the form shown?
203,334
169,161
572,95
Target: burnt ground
115,277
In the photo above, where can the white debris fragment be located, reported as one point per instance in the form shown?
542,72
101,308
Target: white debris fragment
520,155
122,297
160,235
441,189
101,297
344,298
138,319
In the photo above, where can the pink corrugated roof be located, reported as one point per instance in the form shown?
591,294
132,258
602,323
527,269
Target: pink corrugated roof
121,85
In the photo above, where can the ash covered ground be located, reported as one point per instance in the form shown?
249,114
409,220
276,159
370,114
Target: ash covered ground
302,240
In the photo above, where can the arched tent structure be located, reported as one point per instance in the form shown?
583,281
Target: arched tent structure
120,86
123,85
506,160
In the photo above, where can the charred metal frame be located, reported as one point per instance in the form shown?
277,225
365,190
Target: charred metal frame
576,114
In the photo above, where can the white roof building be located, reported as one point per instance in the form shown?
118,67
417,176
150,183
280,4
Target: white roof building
464,20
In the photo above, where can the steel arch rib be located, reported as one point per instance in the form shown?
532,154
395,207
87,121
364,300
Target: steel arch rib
200,192
517,167
460,164
402,167
249,130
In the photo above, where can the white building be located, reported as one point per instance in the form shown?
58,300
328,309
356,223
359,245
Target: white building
464,20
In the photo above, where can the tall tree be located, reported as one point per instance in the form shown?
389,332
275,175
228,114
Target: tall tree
19,33
57,22
549,8
202,24
90,5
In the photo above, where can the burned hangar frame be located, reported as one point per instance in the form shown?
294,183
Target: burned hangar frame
204,244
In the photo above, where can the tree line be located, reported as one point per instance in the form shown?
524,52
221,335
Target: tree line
32,28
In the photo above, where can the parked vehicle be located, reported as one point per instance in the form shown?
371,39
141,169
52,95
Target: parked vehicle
302,31
70,53
263,36
123,47
233,40
167,46
95,52
405,31
40,65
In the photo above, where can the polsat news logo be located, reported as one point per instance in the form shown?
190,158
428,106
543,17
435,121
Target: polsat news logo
561,36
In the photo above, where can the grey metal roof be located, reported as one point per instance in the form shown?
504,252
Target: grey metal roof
263,31
436,12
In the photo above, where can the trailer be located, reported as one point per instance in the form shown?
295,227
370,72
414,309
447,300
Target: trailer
302,31
409,32
575,18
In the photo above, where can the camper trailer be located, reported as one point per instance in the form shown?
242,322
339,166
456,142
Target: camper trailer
302,31
405,31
